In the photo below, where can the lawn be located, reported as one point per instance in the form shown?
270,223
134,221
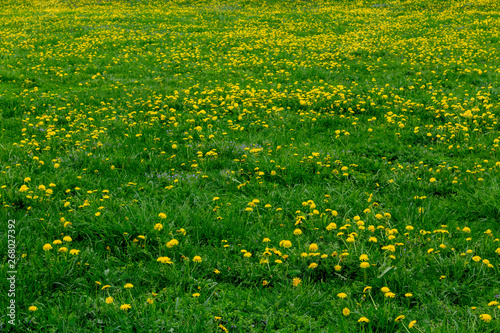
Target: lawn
250,166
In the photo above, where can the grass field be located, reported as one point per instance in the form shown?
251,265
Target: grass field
250,166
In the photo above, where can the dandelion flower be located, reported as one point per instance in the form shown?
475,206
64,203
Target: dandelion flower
125,307
32,308
385,290
109,300
390,295
331,226
172,243
342,295
297,232
196,295
74,252
197,259
63,249
164,260
476,258
363,257
162,215
398,318
408,295
364,264
47,247
492,303
313,265
158,226
128,286
296,281
485,317
313,247
363,320
346,312
23,188
286,244
67,239
338,268
412,323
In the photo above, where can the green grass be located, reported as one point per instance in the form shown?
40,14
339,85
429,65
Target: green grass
362,129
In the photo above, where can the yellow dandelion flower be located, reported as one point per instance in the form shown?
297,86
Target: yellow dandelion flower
196,295
363,320
313,265
32,308
158,226
164,260
197,259
364,264
128,286
162,215
285,243
485,317
412,323
313,247
346,312
398,318
109,300
385,290
342,295
296,281
125,307
47,247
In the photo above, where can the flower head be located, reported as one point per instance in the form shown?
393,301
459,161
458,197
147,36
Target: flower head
342,295
346,312
363,320
47,247
109,300
164,260
125,307
197,259
296,281
32,308
128,286
485,317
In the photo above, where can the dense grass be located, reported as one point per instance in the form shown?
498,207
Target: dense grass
282,144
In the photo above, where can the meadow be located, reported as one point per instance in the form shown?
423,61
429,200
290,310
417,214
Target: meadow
250,166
